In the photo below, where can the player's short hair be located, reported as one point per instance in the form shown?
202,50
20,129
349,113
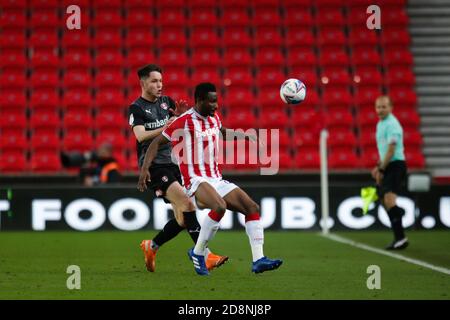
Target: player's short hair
144,72
388,98
202,89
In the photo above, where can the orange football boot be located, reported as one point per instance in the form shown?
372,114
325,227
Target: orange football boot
149,255
215,261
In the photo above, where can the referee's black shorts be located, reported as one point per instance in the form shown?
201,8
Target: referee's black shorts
394,179
161,177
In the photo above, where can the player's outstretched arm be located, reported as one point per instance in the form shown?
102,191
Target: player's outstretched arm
152,150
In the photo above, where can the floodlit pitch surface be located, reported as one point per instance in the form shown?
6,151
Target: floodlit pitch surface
33,265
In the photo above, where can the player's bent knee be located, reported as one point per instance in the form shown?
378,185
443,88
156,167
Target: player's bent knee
221,207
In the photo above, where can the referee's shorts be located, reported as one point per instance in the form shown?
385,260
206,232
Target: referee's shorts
394,179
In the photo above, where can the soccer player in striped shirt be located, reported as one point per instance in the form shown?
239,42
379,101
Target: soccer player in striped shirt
195,142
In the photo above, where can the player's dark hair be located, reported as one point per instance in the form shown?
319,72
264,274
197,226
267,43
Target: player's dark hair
202,89
144,72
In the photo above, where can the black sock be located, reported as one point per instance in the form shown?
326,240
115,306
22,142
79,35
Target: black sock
192,225
395,215
170,231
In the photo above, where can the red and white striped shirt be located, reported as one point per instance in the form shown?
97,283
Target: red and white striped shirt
195,144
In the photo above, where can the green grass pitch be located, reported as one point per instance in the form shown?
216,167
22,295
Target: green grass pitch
33,266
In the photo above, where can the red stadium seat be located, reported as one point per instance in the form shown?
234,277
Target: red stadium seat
107,38
109,78
366,95
105,4
306,74
312,99
238,77
331,37
368,119
309,120
264,17
110,120
368,76
78,142
237,57
307,158
45,162
341,137
203,17
367,139
330,17
13,143
13,99
173,17
268,77
414,158
369,157
176,79
273,118
363,37
339,117
45,99
269,57
336,76
203,74
407,117
173,38
400,76
235,18
240,119
343,160
206,57
138,37
366,57
109,58
299,39
77,99
12,78
236,37
45,58
13,18
45,142
44,38
173,57
204,37
12,58
403,95
268,98
137,59
77,58
115,138
44,119
397,56
110,100
334,58
298,18
12,38
14,4
395,16
396,36
306,138
238,97
45,78
412,138
13,120
139,17
13,162
77,78
108,18
74,120
339,97
45,18
268,37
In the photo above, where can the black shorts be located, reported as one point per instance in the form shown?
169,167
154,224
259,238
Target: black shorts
161,177
394,178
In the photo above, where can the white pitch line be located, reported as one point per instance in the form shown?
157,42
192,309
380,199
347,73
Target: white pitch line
386,253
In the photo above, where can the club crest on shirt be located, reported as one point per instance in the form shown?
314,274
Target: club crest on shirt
165,179
164,106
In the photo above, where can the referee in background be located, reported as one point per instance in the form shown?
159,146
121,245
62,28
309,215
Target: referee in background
390,172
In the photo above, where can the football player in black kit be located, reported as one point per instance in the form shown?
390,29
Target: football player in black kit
149,115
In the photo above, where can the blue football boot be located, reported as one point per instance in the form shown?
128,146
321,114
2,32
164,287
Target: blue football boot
265,264
199,263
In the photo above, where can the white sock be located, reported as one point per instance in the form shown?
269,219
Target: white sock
255,234
208,229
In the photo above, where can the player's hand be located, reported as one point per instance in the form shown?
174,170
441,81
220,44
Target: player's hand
144,177
181,107
374,172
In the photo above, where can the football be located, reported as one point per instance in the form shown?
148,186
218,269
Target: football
293,91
